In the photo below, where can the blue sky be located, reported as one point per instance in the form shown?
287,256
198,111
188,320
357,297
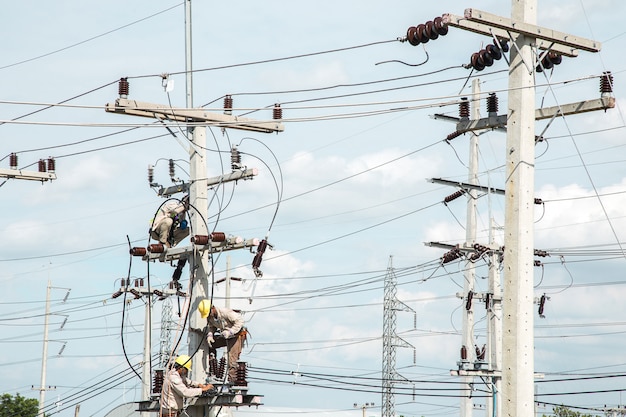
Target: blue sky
353,164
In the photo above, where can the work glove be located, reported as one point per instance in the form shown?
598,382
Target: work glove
209,339
226,334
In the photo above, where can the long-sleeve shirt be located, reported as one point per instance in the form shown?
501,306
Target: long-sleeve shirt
170,210
175,389
229,322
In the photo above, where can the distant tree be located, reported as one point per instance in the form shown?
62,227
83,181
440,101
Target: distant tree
18,406
562,411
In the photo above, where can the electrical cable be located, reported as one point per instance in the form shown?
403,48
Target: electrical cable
123,313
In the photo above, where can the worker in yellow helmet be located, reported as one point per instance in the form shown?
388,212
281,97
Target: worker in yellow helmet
225,328
176,387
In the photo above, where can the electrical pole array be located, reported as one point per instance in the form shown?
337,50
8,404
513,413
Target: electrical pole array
510,339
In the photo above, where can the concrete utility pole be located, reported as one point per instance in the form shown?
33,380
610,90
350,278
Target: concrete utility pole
517,322
517,304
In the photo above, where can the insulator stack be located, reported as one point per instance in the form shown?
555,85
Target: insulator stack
606,83
468,302
200,239
258,258
41,165
156,248
424,32
278,112
13,161
212,365
172,169
157,384
537,263
453,196
123,88
221,368
51,164
137,251
218,236
486,57
464,108
235,158
480,250
139,282
492,104
451,256
463,352
548,61
542,304
538,201
228,104
242,374
541,253
150,174
454,135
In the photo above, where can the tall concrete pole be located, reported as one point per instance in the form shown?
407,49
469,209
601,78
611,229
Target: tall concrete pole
494,329
44,356
467,405
517,304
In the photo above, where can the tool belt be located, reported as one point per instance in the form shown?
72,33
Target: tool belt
169,413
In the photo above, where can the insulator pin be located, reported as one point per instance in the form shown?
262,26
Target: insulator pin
451,255
277,114
228,104
150,174
13,161
200,239
454,135
606,82
136,251
123,88
51,164
158,379
156,248
241,375
453,196
464,108
492,104
172,169
235,158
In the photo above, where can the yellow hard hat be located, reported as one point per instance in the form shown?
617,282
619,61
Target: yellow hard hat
184,361
204,308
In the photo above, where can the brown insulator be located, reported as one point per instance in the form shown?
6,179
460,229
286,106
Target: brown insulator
212,365
228,104
242,374
157,384
464,108
453,196
453,135
123,88
218,236
200,239
606,82
156,248
221,368
235,158
492,103
41,165
13,161
51,164
463,352
277,114
138,251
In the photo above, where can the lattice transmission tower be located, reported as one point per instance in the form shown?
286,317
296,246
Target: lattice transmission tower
391,340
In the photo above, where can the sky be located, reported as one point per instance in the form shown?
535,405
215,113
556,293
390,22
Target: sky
343,194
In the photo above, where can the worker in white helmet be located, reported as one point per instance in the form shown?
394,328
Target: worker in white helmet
225,328
177,387
170,224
